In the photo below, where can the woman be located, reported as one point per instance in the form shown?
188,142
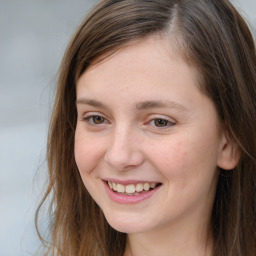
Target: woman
152,141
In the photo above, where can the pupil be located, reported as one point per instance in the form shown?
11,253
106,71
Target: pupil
98,120
160,122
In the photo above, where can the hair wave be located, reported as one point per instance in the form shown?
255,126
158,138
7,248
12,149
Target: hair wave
209,34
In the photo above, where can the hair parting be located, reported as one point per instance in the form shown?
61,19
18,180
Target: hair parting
212,36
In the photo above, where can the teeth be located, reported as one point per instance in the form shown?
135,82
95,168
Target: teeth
110,184
152,185
131,188
120,188
146,186
139,187
114,186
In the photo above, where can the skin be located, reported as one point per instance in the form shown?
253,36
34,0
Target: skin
119,136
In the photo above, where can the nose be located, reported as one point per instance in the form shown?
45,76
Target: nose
124,150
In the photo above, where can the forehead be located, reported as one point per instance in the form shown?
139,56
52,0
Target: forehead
147,70
172,43
152,53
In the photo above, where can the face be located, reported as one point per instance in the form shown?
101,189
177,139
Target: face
147,141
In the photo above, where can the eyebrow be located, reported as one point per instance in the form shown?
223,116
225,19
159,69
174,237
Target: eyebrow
139,106
159,104
91,102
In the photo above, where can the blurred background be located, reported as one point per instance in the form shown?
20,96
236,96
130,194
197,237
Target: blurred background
33,37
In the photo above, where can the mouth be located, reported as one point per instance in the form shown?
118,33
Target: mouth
132,189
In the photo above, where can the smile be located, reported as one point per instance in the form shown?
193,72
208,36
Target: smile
132,189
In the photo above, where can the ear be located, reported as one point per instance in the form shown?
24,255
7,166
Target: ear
229,154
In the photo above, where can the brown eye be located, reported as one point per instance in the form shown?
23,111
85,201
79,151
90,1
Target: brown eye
161,122
97,119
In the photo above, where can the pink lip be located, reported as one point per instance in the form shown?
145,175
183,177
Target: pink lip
127,182
123,199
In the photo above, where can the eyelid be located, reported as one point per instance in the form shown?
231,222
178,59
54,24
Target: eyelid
170,121
92,113
87,116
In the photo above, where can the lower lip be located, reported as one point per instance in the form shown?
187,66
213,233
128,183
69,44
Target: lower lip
123,199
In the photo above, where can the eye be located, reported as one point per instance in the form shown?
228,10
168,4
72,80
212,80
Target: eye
95,120
161,123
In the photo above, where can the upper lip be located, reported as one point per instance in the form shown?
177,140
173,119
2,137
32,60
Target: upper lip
127,182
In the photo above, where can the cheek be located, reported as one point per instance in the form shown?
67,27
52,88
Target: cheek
184,159
188,170
170,157
172,161
88,151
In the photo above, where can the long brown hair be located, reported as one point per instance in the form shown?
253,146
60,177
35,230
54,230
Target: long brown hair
210,35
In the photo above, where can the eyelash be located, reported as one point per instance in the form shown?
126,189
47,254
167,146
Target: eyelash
91,119
166,123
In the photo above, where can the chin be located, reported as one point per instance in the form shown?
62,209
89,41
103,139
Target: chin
126,225
126,228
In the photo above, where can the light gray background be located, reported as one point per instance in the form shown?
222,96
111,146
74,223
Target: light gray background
33,37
